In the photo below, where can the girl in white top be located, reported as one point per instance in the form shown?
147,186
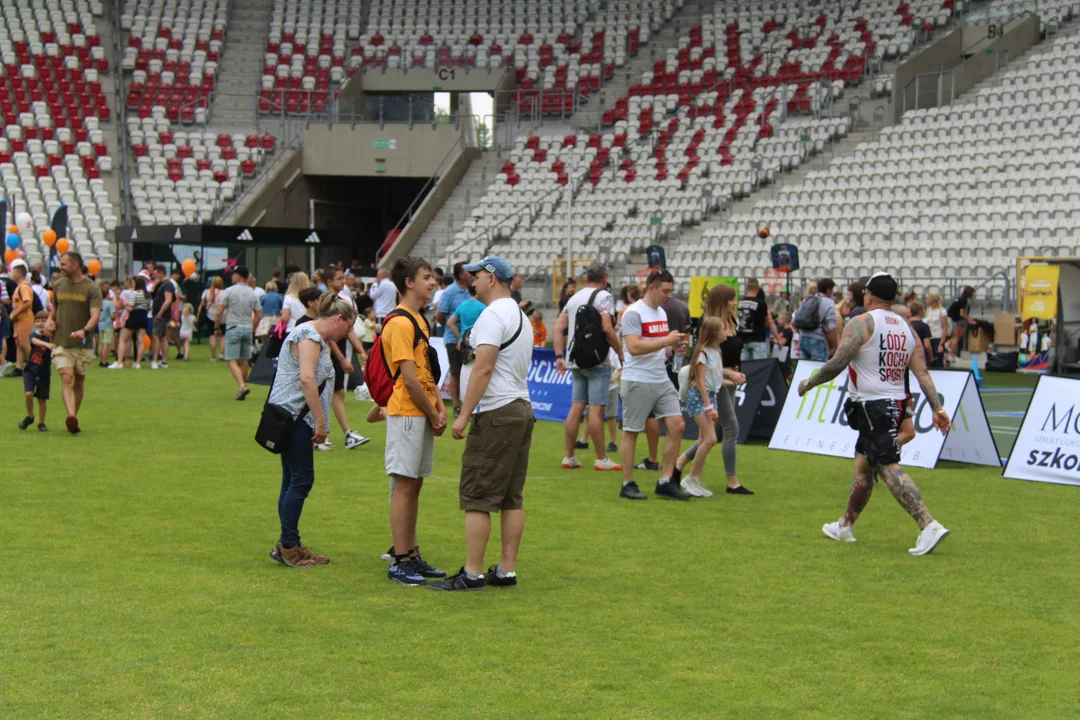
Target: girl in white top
210,302
187,328
292,309
939,326
706,376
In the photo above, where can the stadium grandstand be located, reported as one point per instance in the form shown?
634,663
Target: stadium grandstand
932,137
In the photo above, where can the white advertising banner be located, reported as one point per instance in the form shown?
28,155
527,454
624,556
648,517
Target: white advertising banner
816,423
1047,449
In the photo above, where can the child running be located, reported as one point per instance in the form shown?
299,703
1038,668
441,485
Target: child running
706,378
36,374
187,328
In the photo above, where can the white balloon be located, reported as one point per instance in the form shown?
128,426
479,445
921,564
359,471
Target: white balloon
25,223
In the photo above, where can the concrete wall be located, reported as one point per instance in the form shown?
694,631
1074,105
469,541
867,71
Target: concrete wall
347,150
285,203
969,53
425,80
431,205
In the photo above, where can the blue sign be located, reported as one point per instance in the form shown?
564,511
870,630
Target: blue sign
549,391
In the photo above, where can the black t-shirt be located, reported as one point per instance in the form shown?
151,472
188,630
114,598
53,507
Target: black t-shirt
40,356
923,331
960,303
516,294
856,311
753,320
363,302
731,352
163,287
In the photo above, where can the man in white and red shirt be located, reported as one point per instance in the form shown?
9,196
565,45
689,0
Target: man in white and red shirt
878,348
646,388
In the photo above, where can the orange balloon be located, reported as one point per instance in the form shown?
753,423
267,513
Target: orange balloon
146,341
188,266
13,229
48,237
9,255
94,266
62,245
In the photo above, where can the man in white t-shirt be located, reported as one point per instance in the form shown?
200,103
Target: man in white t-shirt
383,294
590,383
646,388
496,457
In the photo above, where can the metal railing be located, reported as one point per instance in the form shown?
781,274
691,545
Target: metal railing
226,215
935,83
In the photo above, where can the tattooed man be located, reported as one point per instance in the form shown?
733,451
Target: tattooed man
878,348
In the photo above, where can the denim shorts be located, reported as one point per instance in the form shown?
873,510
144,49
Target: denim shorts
591,385
238,343
694,404
813,348
755,351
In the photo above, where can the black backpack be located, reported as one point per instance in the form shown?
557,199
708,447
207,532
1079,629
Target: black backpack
807,317
588,347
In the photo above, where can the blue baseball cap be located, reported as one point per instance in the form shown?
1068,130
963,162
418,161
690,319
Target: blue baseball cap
494,265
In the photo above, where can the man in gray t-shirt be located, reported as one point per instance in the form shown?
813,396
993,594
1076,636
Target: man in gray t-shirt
239,311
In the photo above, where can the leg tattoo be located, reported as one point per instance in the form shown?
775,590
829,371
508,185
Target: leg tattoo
857,499
907,494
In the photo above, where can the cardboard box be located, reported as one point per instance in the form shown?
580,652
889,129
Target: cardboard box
1006,329
978,340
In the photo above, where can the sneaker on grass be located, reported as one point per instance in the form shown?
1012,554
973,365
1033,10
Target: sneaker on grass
425,569
26,422
838,532
612,447
670,491
630,491
647,464
461,581
354,439
570,463
406,573
324,446
691,485
929,538
319,559
581,445
116,366
294,557
41,427
605,465
492,577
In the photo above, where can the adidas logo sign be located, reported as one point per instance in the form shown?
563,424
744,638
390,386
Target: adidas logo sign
313,239
246,235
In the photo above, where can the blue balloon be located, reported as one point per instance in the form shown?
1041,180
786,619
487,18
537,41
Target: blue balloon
13,241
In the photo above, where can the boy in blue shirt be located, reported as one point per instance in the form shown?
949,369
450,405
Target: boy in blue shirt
36,374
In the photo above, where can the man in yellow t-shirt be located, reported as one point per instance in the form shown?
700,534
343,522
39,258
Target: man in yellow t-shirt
414,416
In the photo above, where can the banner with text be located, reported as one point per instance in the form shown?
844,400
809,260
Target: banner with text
1047,449
816,423
550,392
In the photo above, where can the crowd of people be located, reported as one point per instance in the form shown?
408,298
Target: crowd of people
639,346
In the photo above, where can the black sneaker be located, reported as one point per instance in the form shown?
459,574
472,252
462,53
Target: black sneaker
41,427
741,490
460,581
631,491
612,447
425,569
671,491
647,464
16,373
491,577
26,422
405,573
676,475
581,445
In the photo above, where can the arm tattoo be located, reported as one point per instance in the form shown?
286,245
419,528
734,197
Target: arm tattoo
907,494
856,332
917,365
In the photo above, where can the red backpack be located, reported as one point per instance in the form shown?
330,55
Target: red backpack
380,381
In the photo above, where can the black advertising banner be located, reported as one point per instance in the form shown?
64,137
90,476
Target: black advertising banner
232,235
262,370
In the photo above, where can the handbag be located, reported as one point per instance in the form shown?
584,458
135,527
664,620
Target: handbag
276,424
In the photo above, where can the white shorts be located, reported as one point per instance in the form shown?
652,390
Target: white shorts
410,446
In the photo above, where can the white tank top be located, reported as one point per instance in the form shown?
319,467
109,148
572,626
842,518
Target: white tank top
879,369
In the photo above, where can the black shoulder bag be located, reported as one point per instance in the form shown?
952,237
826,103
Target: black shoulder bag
277,424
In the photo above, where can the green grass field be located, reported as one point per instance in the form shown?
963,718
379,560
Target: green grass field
135,583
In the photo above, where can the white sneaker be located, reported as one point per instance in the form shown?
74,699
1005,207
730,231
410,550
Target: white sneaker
6,369
163,365
569,463
354,439
929,538
153,366
605,465
137,366
691,486
838,532
705,492
116,366
213,359
324,446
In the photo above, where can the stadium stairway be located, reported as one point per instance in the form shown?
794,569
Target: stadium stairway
114,180
440,231
241,66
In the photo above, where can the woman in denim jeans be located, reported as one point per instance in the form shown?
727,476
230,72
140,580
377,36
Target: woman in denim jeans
303,366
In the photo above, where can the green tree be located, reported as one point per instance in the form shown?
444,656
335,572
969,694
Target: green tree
442,116
483,135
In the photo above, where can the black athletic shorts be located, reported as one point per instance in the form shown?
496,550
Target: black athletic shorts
339,375
454,356
878,425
